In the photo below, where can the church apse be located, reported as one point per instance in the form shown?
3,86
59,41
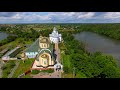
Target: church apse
45,60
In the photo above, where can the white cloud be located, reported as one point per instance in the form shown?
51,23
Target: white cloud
75,15
69,17
86,15
112,15
12,16
35,16
17,16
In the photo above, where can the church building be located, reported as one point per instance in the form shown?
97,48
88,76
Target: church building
55,37
43,50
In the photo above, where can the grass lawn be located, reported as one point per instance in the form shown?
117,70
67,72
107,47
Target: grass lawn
23,67
7,68
80,75
66,63
70,75
67,75
27,76
66,60
15,43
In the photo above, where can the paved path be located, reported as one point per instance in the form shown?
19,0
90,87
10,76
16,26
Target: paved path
48,75
57,52
0,70
13,70
1,64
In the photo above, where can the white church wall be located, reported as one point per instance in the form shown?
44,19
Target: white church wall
55,40
31,54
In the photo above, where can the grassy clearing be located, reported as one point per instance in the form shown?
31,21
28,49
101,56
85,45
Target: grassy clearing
27,76
7,68
70,75
67,75
45,71
15,43
66,60
23,67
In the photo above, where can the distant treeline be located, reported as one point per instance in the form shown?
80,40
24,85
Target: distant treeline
110,30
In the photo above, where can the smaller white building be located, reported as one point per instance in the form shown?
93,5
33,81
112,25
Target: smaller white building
55,37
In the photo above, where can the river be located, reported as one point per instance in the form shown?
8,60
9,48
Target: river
95,42
3,35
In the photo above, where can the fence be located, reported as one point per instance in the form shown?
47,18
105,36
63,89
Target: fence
21,75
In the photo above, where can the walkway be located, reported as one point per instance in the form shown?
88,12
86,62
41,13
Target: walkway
1,64
48,75
57,52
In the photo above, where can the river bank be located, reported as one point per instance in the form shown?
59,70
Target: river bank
3,35
98,43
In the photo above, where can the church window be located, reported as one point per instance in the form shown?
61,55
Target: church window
45,62
44,45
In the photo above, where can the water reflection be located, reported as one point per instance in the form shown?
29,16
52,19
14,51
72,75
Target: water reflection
3,35
95,42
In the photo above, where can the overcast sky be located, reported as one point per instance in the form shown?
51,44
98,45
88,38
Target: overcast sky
59,17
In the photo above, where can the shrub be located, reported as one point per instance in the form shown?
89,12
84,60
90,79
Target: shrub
7,72
49,71
35,71
66,69
3,67
11,64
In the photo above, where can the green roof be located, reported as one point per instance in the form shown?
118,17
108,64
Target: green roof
34,47
47,51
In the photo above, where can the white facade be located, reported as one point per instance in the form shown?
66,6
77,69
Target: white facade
31,54
55,37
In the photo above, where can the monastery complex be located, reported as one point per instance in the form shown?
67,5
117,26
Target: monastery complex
46,52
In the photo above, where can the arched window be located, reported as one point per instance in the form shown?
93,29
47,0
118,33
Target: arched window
44,45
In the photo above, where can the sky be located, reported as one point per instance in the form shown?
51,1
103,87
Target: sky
59,17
